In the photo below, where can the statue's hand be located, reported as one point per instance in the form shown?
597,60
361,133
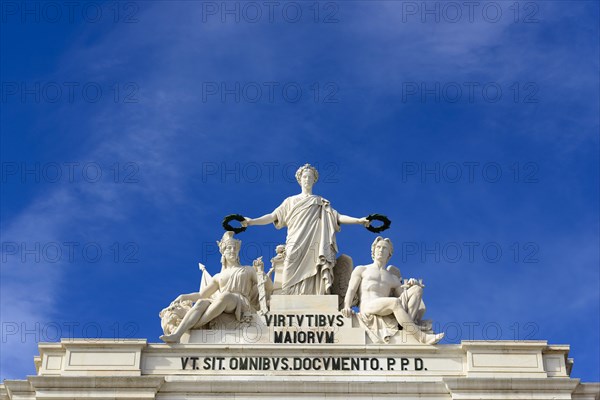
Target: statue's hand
258,264
246,222
347,312
364,221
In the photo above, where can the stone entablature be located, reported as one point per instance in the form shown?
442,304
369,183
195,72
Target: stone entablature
135,369
470,359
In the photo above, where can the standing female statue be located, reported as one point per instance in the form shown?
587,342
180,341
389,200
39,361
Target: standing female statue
310,246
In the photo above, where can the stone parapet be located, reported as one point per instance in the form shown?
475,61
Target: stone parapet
134,369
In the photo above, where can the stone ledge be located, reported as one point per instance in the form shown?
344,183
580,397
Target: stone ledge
271,385
98,388
508,388
91,357
17,389
96,382
509,359
371,348
587,391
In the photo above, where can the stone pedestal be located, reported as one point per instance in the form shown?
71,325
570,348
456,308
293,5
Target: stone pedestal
291,320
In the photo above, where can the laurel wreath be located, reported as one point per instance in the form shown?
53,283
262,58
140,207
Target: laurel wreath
233,217
378,217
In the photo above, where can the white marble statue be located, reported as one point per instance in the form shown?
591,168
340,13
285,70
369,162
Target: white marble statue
277,268
310,248
381,296
234,290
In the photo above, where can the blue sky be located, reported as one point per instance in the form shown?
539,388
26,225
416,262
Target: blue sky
142,124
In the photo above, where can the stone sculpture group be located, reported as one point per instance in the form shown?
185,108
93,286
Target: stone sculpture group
307,265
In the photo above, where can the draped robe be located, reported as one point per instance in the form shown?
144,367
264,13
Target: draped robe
240,284
310,246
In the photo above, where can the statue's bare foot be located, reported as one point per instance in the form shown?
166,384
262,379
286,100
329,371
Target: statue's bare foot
170,338
433,339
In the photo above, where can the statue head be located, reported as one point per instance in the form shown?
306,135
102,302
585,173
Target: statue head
382,248
229,249
307,175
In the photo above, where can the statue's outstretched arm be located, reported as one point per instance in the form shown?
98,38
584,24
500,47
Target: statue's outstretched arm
345,219
264,220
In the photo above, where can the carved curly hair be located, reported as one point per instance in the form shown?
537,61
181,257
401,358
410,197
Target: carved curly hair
309,167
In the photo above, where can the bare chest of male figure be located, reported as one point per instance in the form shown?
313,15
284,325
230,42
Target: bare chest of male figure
377,282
